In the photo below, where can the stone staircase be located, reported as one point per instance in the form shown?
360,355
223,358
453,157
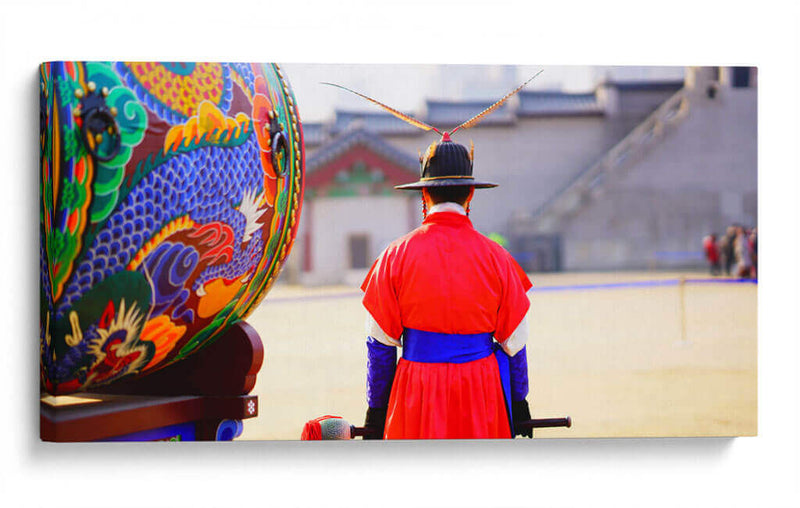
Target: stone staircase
590,183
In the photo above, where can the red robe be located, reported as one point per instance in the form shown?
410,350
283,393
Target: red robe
446,277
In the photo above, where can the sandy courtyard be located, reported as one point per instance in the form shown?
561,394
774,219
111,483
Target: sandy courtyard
622,361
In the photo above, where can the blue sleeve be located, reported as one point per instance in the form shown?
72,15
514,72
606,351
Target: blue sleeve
381,364
518,367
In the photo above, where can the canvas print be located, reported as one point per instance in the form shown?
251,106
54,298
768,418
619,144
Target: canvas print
432,252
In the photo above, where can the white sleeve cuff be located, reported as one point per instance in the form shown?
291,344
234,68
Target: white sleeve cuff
374,330
517,340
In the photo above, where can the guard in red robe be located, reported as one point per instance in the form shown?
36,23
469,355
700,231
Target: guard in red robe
455,302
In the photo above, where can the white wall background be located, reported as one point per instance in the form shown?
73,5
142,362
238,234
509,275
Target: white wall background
746,472
382,218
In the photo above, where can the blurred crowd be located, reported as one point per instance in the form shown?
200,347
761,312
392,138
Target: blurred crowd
733,254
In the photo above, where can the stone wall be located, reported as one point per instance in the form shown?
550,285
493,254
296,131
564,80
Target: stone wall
700,178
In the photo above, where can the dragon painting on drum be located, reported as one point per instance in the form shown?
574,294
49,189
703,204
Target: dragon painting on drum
170,197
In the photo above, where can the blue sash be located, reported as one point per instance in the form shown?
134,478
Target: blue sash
431,347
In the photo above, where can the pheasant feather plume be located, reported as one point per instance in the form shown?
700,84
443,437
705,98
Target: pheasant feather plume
480,116
402,116
424,126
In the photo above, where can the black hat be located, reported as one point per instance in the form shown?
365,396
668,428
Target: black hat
446,164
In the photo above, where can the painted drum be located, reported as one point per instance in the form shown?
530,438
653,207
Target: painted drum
170,197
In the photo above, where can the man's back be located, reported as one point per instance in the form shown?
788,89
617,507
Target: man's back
449,278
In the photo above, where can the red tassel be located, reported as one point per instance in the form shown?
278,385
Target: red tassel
312,430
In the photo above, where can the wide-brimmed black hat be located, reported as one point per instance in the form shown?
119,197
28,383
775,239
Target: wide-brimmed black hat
446,164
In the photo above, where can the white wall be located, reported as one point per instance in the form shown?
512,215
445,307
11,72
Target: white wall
383,218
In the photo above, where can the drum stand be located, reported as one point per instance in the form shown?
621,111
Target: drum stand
203,397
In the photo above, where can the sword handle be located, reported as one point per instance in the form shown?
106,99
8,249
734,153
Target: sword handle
360,431
541,423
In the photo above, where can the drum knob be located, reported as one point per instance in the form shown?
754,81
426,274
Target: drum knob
100,132
279,147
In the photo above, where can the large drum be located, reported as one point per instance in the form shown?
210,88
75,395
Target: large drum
170,197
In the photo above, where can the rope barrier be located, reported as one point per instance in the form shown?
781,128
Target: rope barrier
642,283
309,298
568,287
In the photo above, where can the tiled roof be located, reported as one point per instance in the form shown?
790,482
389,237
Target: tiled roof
534,103
339,145
379,122
448,114
445,114
313,133
647,86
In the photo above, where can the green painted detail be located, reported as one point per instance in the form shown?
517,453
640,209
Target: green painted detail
259,279
47,152
59,243
44,209
102,75
109,180
210,333
66,92
103,205
73,148
130,286
73,195
358,181
106,188
271,246
131,120
282,199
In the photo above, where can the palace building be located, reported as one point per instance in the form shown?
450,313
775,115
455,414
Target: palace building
629,176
